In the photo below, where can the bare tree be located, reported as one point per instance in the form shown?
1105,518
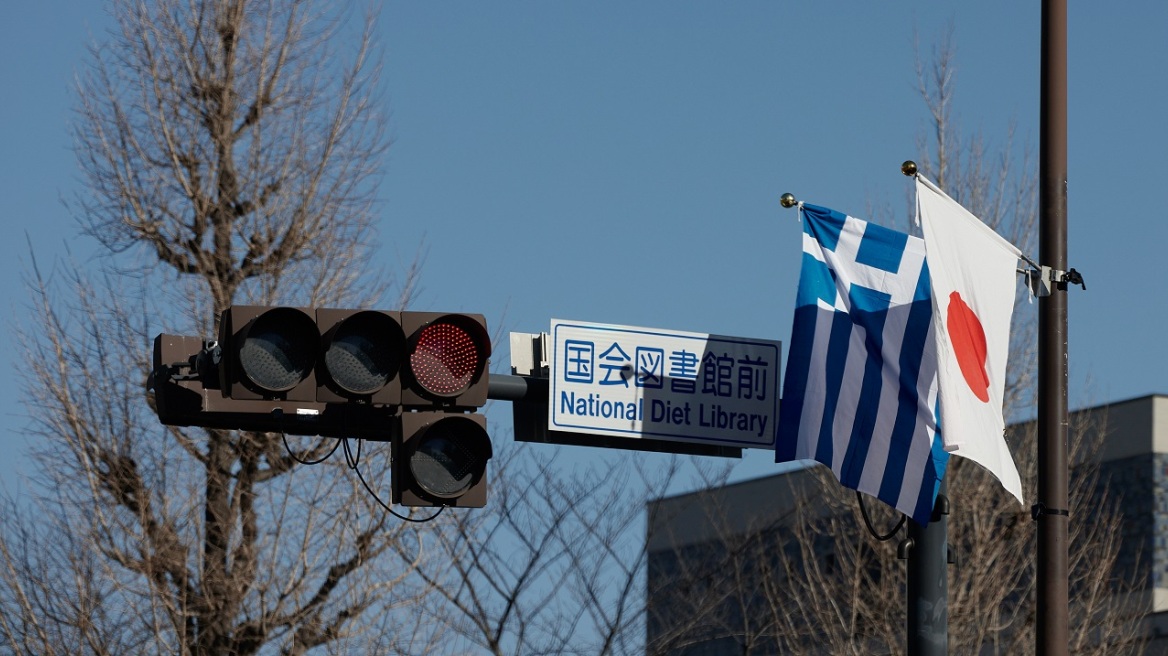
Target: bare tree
555,563
995,182
991,601
229,151
808,578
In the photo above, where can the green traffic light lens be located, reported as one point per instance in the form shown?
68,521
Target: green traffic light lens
279,349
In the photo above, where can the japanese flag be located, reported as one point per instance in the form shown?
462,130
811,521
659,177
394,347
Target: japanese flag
973,277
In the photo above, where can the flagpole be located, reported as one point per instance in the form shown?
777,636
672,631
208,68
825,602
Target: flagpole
927,553
1052,512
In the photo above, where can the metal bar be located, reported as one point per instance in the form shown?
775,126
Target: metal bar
1052,637
503,387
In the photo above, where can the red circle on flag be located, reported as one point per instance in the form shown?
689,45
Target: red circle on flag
969,345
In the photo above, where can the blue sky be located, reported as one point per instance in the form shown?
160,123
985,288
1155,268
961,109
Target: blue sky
622,162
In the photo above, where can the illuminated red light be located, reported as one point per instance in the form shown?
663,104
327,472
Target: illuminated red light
445,359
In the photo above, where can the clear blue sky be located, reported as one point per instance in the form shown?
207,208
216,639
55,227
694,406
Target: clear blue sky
622,162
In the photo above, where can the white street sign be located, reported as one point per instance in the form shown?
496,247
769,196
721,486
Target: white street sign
641,382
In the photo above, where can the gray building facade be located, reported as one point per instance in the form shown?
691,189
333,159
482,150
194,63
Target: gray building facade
715,556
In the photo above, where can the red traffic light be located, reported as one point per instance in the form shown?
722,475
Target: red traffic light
345,373
413,359
447,356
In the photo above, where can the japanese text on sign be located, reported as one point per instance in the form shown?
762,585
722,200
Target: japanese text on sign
668,384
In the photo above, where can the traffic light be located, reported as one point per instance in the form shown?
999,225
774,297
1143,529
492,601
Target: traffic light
361,353
415,379
268,353
441,460
441,453
447,359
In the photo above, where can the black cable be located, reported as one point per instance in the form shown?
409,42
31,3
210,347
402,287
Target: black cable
349,459
868,521
308,462
353,462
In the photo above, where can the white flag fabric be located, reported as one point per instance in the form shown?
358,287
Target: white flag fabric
973,276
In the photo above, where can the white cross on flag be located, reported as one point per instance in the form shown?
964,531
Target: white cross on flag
973,276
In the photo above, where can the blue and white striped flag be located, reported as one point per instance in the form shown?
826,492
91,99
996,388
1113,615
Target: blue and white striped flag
860,391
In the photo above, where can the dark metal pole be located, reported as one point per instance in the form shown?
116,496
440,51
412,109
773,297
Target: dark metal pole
1051,512
503,387
928,583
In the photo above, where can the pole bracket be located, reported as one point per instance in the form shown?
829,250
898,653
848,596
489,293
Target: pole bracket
1040,509
1044,279
1073,277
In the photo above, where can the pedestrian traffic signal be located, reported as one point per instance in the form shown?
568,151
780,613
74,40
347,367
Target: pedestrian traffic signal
415,379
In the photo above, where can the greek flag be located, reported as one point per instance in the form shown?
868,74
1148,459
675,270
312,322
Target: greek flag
860,391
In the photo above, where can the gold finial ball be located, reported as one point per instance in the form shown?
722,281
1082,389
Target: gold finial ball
909,168
788,200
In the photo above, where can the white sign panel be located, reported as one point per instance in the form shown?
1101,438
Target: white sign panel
666,384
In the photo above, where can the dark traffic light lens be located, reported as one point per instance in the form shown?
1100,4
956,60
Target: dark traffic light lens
450,457
362,355
445,359
279,350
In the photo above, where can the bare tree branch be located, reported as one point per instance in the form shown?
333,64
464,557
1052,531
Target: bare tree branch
230,152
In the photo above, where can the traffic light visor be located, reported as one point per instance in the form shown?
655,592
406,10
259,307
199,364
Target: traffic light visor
448,355
450,458
362,354
279,348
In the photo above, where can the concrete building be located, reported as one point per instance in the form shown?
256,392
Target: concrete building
712,554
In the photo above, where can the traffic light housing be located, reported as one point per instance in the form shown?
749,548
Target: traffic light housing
440,459
361,355
268,353
415,379
446,362
440,456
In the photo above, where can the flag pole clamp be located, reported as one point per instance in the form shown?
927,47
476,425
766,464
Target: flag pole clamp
1041,280
1040,509
1072,277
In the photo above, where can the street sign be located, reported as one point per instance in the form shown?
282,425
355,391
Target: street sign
664,384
